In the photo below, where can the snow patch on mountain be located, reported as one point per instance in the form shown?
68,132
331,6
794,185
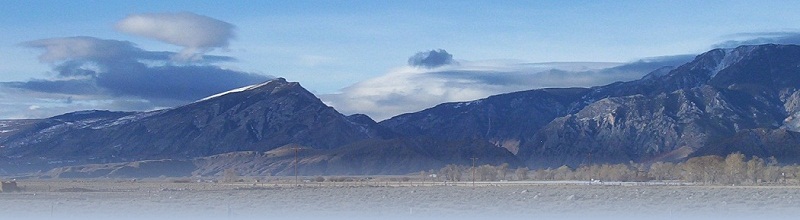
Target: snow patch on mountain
127,119
792,122
465,104
732,56
237,90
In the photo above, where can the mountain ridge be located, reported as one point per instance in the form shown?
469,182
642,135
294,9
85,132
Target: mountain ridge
685,102
744,99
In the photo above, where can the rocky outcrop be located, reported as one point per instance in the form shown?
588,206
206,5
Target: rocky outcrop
761,142
640,128
722,94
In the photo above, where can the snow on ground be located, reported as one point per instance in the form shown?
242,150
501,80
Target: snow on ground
167,200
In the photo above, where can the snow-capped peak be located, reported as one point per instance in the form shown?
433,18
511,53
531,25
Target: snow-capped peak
242,89
731,56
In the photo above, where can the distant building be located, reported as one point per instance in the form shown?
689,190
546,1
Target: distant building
8,186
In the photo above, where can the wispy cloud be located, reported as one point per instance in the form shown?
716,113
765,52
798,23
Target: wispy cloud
409,89
17,103
198,34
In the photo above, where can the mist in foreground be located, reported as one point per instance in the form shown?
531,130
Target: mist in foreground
169,200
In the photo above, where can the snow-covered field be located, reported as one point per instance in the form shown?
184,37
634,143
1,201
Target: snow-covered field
168,200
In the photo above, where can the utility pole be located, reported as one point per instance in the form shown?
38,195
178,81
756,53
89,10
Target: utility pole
296,183
473,171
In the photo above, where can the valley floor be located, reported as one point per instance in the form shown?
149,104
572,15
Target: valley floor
165,199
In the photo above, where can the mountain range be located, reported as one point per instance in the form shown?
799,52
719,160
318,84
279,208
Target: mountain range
743,99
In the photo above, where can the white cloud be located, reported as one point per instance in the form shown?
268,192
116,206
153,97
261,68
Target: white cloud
196,33
411,89
94,73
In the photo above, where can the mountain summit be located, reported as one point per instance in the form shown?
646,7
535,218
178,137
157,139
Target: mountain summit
255,118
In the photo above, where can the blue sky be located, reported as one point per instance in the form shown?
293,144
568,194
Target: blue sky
333,47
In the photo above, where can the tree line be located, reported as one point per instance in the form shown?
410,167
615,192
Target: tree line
733,169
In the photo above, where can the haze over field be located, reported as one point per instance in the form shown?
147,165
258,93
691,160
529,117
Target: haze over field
164,200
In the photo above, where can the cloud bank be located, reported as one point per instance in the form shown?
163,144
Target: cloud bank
757,38
198,34
87,65
410,89
93,73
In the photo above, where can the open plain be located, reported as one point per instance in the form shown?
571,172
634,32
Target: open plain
171,199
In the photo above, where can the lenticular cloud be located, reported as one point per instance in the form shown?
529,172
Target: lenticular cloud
94,68
196,33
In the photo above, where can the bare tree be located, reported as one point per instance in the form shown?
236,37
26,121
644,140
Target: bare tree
546,174
706,169
755,168
451,172
521,173
735,168
712,169
615,172
662,171
563,173
787,173
772,173
502,171
487,173
585,172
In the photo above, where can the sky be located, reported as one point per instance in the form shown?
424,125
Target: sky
373,57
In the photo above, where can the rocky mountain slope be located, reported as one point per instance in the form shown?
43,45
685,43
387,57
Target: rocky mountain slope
256,118
720,96
369,157
504,120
